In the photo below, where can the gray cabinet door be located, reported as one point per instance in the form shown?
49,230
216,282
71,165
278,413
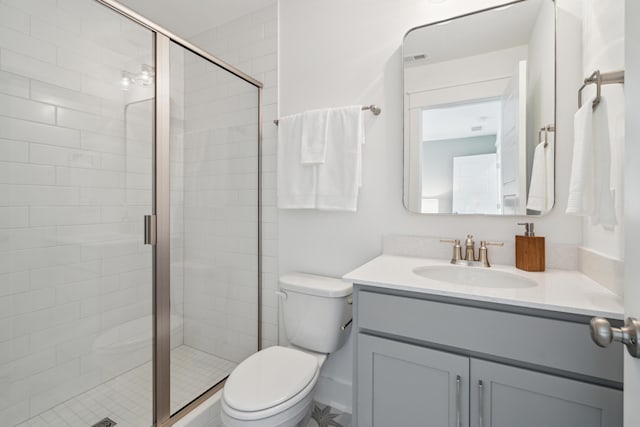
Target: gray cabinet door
403,385
513,397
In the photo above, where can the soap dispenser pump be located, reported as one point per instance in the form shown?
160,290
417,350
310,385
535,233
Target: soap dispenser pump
530,254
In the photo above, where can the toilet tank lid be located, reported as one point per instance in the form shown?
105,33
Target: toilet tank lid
313,284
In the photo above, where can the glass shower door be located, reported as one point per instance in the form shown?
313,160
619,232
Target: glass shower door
76,135
214,224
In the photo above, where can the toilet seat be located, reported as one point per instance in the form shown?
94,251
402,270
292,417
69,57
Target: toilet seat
269,382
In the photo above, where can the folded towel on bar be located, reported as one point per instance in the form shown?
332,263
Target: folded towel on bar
580,200
314,137
589,187
604,209
541,186
340,176
297,183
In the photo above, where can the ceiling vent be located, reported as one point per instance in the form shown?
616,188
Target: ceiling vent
413,58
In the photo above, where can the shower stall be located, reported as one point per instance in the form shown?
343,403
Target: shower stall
129,217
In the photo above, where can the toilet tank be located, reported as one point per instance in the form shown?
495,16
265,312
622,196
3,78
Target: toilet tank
314,309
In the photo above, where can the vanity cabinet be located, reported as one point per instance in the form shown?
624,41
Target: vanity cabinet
506,396
443,364
401,384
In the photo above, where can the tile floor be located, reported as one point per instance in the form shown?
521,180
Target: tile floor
327,416
126,399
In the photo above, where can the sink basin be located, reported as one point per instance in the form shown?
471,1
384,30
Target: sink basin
474,276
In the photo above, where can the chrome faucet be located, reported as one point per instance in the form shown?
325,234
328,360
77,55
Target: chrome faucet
469,255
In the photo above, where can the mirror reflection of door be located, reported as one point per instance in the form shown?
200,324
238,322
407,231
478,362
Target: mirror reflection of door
513,143
475,184
460,165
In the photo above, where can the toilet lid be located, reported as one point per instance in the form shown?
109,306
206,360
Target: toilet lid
268,378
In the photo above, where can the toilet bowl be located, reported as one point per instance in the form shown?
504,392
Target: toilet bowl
275,386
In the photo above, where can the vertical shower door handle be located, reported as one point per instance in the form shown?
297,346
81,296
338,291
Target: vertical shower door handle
149,229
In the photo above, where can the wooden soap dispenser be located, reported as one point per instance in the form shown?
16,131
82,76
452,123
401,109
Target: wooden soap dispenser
529,250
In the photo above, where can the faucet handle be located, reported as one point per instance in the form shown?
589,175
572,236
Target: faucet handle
457,249
483,255
485,243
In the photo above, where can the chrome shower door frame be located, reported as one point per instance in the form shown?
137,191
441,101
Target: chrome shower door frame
161,210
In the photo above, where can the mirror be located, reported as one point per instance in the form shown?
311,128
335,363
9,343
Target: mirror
479,107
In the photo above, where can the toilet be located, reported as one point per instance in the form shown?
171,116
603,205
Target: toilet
274,387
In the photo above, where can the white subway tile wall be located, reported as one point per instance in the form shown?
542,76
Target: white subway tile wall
72,194
250,44
220,212
75,180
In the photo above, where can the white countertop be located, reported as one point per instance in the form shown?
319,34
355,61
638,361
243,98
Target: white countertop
556,290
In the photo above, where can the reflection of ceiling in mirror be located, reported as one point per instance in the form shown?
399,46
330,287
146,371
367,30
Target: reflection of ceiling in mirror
472,35
461,120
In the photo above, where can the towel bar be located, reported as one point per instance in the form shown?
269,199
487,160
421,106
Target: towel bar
374,109
546,129
600,79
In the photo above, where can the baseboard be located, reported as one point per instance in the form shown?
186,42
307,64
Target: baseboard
334,393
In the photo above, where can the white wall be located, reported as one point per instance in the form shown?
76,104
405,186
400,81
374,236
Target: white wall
603,49
337,53
493,65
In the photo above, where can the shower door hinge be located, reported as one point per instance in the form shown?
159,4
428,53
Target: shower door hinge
149,229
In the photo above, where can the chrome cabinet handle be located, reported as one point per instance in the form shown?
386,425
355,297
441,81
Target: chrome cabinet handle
458,401
481,403
603,334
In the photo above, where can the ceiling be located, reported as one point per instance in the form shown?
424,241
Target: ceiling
187,18
474,34
461,121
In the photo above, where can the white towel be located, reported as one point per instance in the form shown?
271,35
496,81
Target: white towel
580,200
341,174
589,188
297,183
314,137
541,187
604,210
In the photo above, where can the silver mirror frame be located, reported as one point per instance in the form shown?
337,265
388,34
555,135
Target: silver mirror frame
555,111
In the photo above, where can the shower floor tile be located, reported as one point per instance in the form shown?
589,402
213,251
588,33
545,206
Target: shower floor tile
126,399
